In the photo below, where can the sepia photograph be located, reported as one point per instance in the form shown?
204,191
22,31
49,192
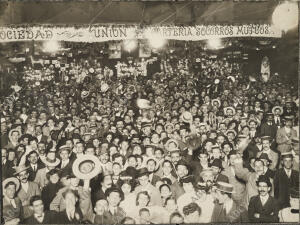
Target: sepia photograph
149,112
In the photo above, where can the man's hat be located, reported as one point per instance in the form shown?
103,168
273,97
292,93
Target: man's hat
286,118
265,156
86,167
217,163
187,179
169,142
228,108
266,138
50,162
146,124
264,179
11,179
143,171
114,189
216,100
231,131
208,171
20,169
64,147
287,154
277,107
186,117
167,125
224,187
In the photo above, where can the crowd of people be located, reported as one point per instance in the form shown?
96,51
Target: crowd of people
194,143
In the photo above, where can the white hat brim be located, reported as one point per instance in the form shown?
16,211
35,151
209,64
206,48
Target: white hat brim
97,169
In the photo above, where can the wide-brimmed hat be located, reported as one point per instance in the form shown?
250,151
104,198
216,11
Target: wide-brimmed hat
216,100
20,169
186,117
143,103
227,108
277,107
171,140
288,154
64,147
231,131
224,187
287,118
51,162
11,179
86,167
141,172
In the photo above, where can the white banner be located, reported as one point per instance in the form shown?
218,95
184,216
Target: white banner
96,33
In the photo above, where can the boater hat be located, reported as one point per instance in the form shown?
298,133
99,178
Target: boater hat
277,107
86,167
51,162
11,179
186,117
224,187
20,169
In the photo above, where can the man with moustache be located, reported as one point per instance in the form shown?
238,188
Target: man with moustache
263,208
27,189
285,135
266,148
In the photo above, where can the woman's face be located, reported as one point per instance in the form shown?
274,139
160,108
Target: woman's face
165,191
126,188
143,200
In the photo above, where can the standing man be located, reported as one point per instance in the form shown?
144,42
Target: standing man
266,148
263,208
285,135
284,179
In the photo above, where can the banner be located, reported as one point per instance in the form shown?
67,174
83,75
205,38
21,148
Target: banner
96,33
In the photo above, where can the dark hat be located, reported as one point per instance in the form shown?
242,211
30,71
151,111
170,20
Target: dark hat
266,138
224,187
265,179
182,163
217,163
187,179
142,172
131,171
114,189
265,156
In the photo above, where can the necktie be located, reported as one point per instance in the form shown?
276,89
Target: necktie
34,168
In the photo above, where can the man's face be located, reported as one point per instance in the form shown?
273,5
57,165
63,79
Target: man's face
116,169
220,196
54,178
259,167
151,166
114,199
263,188
79,148
252,125
287,162
15,136
167,168
23,176
64,155
266,144
144,180
288,123
33,158
41,148
175,157
74,181
101,207
158,154
182,171
38,207
10,191
104,158
107,182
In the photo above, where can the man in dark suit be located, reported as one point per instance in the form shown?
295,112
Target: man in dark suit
284,179
34,165
6,165
151,165
263,208
39,215
65,163
105,181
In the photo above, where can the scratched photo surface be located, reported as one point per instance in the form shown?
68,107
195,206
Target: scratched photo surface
151,112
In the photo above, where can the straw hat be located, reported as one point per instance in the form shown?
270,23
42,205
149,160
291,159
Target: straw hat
224,187
186,117
11,179
51,162
86,167
277,107
20,169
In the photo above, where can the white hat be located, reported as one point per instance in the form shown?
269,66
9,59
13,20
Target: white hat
143,103
86,167
11,179
186,117
50,162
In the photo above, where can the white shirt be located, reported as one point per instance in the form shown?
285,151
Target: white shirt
25,186
288,172
12,201
71,213
39,218
264,199
228,205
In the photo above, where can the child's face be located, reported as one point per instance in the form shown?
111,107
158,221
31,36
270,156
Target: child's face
101,207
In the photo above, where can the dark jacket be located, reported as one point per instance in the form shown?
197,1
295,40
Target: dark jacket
267,213
62,217
49,218
237,214
282,185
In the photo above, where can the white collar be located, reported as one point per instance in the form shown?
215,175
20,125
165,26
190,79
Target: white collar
228,205
264,198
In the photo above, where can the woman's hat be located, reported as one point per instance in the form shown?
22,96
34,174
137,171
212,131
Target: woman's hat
11,179
143,171
277,107
20,169
186,117
224,187
86,167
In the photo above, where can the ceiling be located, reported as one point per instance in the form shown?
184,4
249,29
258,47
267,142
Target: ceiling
146,12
